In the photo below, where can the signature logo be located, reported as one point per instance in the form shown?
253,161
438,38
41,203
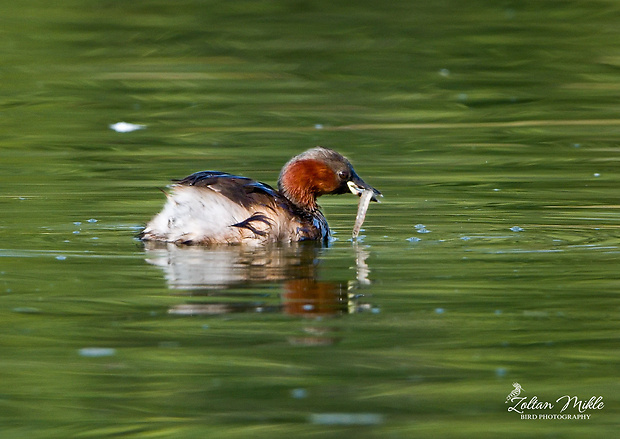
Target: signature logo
514,393
564,407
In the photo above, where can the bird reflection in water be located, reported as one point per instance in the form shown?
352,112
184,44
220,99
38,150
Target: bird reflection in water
224,280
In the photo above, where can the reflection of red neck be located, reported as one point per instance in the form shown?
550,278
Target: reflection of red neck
302,181
310,298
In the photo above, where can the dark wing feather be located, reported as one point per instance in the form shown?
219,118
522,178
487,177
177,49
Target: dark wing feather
242,190
257,217
205,178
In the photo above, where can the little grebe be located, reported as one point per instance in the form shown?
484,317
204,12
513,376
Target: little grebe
211,207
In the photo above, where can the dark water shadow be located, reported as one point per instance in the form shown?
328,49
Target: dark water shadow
235,279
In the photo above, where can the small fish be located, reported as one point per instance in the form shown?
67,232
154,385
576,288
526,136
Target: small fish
365,199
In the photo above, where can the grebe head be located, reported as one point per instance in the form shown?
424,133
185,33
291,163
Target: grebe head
317,172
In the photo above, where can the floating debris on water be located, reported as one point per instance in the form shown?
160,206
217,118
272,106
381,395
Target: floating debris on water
125,127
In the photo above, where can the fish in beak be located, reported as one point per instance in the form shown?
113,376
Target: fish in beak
357,186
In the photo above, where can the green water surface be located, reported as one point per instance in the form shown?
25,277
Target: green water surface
491,127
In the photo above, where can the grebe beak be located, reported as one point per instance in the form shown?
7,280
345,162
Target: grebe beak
357,186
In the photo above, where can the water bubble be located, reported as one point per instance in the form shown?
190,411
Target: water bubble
444,72
124,127
414,239
596,174
346,419
439,310
500,372
299,393
97,352
517,229
26,309
421,228
77,223
61,258
92,220
318,126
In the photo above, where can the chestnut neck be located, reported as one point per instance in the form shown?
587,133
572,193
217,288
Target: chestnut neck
302,181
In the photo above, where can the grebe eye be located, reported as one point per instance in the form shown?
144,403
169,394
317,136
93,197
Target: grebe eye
343,175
